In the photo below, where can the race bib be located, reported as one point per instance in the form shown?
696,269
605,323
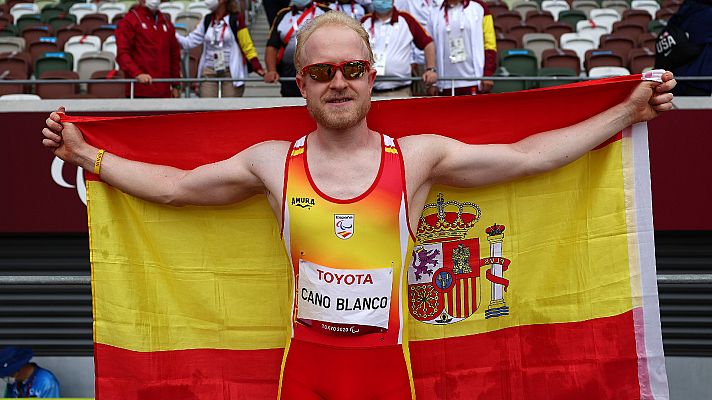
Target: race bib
379,63
457,50
344,296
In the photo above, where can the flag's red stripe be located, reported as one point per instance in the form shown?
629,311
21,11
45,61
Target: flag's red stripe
593,359
186,374
188,140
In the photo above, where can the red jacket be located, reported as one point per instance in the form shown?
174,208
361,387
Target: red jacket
146,44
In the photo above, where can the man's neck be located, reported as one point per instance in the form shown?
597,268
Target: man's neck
25,372
340,141
453,3
386,16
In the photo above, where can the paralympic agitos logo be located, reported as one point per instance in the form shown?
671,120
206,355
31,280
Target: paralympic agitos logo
58,178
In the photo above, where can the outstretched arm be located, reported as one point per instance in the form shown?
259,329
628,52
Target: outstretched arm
223,182
455,163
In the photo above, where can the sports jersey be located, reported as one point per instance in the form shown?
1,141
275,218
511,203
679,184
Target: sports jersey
348,258
42,384
391,42
420,10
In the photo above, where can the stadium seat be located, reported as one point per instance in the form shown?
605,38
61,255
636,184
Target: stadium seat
107,90
9,31
605,16
103,31
497,29
559,72
629,29
591,29
508,19
640,60
111,9
651,6
59,61
605,72
63,34
94,20
21,9
521,62
61,21
524,6
190,19
20,96
34,33
51,11
619,5
505,42
117,18
507,86
640,17
518,31
558,29
172,9
578,43
6,19
17,64
540,19
664,14
44,45
555,7
198,7
647,40
6,89
497,7
78,45
585,6
572,17
656,26
93,61
603,58
109,45
79,10
538,42
617,43
672,4
10,44
55,90
27,20
182,29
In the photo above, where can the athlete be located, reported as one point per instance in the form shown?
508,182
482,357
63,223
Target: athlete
348,317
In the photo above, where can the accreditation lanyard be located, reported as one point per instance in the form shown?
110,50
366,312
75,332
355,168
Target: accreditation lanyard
381,29
155,22
353,10
447,19
222,34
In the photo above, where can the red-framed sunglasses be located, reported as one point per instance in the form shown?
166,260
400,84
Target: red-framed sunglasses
324,72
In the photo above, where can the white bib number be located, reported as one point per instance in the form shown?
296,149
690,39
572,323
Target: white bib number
344,296
457,50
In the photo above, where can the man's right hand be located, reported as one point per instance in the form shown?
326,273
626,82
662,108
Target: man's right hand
271,76
65,140
146,79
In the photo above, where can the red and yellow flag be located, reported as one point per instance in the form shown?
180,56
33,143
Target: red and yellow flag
545,288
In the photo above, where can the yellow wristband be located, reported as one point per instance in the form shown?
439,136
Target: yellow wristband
97,162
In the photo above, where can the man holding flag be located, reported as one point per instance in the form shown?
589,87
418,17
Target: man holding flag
346,220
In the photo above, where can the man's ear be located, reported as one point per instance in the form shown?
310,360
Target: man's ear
302,85
371,77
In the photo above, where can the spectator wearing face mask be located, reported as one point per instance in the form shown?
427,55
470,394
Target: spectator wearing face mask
349,7
393,34
25,379
279,54
146,48
227,48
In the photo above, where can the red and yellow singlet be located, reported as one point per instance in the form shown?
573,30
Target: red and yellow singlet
348,261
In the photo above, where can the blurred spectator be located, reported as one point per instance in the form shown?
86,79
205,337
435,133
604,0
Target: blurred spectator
465,42
392,34
147,48
23,378
272,7
227,45
695,18
420,10
349,7
282,41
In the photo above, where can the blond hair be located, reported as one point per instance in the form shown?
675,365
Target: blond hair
331,18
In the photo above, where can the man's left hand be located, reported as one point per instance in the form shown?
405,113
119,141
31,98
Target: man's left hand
175,93
486,86
649,99
430,77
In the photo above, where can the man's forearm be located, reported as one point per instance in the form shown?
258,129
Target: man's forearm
271,58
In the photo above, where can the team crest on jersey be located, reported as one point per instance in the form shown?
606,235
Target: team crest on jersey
444,284
344,226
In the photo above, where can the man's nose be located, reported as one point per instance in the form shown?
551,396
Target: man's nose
338,82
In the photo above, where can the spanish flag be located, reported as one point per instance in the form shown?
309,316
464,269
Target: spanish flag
542,288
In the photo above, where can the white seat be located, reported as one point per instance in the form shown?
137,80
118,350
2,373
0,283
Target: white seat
172,9
651,6
578,43
112,9
619,5
524,6
538,42
592,30
93,61
21,9
9,44
555,7
585,5
79,10
606,17
78,45
605,72
189,19
109,45
198,7
20,97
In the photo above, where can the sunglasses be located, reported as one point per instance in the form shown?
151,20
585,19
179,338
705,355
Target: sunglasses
324,72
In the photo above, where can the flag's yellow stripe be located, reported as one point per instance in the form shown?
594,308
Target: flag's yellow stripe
222,284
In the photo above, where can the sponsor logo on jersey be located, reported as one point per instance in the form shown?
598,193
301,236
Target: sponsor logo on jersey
303,202
344,226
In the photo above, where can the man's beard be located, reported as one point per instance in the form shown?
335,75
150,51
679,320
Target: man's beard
338,120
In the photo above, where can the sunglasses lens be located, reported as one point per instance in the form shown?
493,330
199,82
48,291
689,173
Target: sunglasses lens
354,69
321,72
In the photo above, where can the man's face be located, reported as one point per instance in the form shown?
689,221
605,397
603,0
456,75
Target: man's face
340,103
